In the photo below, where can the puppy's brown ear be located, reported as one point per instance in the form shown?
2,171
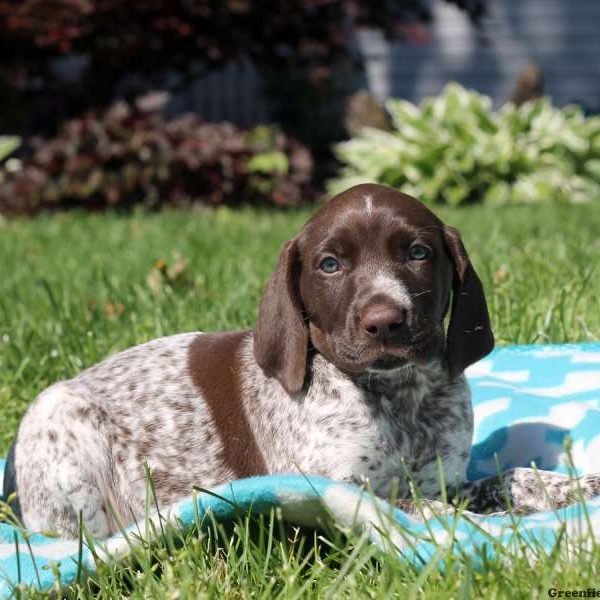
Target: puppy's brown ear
280,334
469,336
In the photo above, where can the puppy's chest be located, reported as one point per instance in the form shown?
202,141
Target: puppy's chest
383,437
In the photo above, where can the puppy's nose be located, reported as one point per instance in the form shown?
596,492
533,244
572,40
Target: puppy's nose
382,320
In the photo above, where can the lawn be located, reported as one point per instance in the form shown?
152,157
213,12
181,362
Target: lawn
76,288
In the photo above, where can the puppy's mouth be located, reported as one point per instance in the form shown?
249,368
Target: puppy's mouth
391,357
387,356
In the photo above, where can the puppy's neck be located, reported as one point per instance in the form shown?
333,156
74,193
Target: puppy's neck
411,380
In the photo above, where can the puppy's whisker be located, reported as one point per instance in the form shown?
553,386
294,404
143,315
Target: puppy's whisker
417,294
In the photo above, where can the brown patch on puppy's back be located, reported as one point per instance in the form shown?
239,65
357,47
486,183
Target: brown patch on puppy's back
214,365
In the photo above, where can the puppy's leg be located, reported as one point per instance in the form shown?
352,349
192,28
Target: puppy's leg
526,490
519,491
62,462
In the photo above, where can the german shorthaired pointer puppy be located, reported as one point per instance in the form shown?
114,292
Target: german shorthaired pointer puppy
349,373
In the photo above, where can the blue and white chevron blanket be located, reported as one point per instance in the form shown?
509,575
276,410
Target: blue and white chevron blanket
528,401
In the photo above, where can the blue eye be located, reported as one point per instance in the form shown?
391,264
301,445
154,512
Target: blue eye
329,265
418,252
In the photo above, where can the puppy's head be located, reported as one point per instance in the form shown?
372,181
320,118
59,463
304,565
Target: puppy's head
367,283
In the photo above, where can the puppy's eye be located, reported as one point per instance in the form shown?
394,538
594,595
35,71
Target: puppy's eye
329,265
418,252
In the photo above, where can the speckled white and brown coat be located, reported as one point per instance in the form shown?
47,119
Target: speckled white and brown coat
349,373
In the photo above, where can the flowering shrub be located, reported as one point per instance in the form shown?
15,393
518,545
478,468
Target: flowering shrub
129,155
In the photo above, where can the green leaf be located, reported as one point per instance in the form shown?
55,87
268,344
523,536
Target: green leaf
268,162
8,144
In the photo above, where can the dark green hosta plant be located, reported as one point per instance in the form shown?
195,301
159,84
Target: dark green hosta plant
453,149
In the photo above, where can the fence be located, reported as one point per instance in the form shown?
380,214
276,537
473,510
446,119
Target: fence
561,36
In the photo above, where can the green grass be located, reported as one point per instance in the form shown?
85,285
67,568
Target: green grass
74,289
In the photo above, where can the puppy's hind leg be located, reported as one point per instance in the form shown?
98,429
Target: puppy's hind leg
62,463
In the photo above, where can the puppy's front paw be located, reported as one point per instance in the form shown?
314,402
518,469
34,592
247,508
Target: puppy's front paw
526,490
